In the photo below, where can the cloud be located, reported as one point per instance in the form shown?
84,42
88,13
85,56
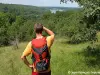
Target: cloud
40,3
13,1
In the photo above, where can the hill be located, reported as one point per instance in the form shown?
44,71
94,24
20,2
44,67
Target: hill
22,9
26,9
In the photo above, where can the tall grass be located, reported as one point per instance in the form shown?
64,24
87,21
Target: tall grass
64,58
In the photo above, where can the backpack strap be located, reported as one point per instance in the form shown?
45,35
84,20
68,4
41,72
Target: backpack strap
40,50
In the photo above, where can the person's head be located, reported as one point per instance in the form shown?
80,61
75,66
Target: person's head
38,28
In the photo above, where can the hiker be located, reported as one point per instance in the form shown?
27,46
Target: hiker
39,48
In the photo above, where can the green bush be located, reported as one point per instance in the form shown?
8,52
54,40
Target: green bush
83,36
92,54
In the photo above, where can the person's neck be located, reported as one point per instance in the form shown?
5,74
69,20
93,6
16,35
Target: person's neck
39,35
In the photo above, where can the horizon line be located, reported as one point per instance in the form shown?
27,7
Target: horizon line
39,6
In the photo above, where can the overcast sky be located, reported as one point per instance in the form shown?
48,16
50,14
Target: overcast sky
40,3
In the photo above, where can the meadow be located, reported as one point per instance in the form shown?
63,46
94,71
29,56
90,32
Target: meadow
78,55
66,59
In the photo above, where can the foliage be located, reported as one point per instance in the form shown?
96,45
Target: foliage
69,24
91,12
3,27
92,53
24,10
17,22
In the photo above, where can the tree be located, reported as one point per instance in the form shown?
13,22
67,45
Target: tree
91,12
3,28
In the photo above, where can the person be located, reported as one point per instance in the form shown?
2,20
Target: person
39,48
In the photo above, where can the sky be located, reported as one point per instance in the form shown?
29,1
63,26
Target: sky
55,3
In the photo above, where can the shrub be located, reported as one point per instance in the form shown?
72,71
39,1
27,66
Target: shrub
92,54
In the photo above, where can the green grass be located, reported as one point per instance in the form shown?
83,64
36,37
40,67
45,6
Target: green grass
67,57
64,57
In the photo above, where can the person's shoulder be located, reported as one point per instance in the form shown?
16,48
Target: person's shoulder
51,37
29,43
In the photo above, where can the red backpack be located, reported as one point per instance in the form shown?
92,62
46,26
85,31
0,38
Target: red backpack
40,54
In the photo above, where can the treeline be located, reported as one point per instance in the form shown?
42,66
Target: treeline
17,22
70,24
24,10
80,25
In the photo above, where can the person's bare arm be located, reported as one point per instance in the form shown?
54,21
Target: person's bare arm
48,31
26,61
27,52
50,38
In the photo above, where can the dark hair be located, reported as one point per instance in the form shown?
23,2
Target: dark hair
38,28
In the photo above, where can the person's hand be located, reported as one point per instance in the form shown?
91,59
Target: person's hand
31,66
44,28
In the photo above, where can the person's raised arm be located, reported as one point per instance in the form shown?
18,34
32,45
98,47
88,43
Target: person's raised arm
48,31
